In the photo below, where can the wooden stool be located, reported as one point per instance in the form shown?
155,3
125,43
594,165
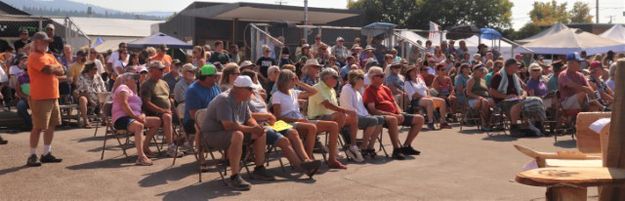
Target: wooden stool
569,183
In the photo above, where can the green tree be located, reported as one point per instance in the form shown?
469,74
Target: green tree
548,13
447,13
580,13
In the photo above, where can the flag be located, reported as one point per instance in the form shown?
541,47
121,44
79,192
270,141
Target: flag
97,42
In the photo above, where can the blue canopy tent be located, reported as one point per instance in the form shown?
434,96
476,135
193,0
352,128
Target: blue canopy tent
159,39
377,28
490,34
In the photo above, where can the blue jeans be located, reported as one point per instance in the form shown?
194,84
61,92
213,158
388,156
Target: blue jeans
22,111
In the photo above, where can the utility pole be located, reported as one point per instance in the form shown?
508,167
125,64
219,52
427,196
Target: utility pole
597,12
306,19
280,2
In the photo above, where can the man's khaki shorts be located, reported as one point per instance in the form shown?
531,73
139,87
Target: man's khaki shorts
46,113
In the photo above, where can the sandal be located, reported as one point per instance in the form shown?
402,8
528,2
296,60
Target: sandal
143,162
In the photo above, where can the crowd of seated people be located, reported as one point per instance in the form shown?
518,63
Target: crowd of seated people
319,90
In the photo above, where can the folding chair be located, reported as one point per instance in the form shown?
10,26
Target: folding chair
203,150
100,119
111,131
179,130
381,144
469,115
498,119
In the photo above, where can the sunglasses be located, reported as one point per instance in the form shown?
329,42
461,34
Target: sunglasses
379,76
237,74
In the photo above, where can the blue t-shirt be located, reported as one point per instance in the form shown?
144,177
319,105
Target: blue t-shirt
539,87
198,97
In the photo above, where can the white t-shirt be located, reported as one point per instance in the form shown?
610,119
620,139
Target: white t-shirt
113,57
15,70
352,100
121,65
288,103
415,87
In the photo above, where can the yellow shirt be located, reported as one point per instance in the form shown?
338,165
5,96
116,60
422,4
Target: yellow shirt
74,71
315,108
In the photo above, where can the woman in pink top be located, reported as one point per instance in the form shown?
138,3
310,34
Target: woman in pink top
126,113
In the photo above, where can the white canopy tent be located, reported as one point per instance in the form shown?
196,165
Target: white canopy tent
505,48
547,32
572,40
617,33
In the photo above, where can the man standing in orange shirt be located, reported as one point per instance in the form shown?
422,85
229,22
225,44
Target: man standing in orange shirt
163,57
44,94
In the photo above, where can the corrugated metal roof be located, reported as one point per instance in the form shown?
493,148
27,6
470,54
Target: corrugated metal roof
111,27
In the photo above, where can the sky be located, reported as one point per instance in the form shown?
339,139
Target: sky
607,8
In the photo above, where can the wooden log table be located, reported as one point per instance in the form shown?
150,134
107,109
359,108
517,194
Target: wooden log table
570,183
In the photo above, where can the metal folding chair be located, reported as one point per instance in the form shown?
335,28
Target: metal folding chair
111,131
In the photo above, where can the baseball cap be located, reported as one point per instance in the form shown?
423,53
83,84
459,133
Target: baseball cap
143,69
50,26
156,64
189,67
176,62
595,65
41,36
312,62
209,70
243,82
340,39
574,56
246,64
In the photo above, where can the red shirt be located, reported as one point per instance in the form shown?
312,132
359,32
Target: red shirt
382,97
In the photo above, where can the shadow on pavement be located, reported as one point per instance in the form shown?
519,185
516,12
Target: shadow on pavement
499,138
11,170
107,163
201,191
169,174
570,143
472,131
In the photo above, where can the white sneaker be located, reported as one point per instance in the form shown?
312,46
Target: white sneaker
354,153
171,152
187,148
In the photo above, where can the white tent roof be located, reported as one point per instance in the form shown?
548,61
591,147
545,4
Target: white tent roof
617,33
568,41
412,36
551,30
93,26
506,49
112,44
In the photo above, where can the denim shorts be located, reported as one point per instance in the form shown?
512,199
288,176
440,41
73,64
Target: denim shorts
274,136
122,123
